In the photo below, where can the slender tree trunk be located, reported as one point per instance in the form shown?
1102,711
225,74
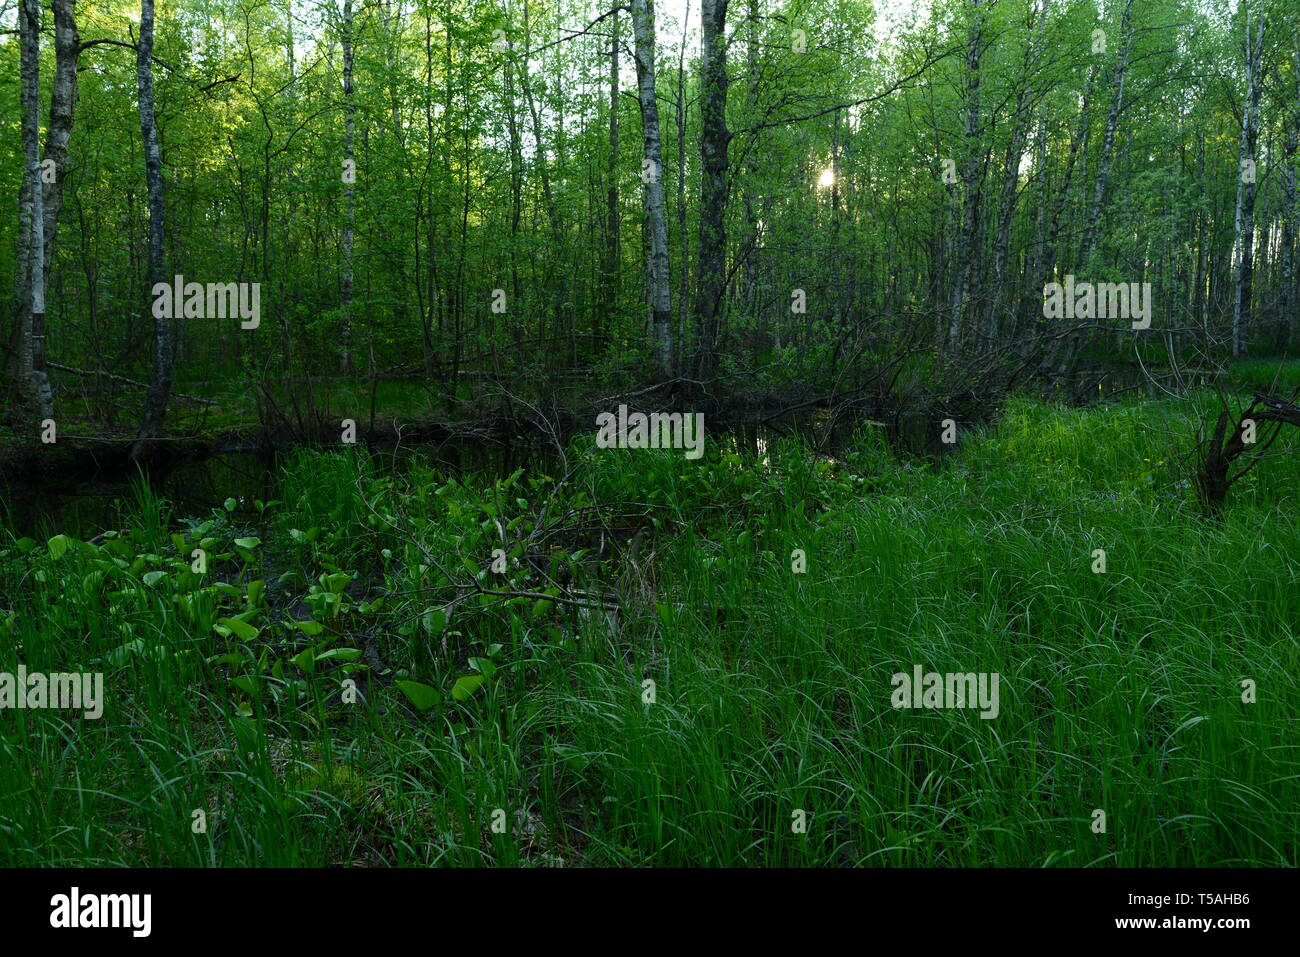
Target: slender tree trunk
436,305
1020,124
560,283
683,295
1245,218
63,102
1056,217
1073,343
612,250
155,406
516,173
714,140
749,273
967,258
349,192
32,313
1288,220
657,279
1092,225
1203,215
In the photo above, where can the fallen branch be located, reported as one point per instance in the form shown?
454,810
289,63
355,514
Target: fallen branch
122,378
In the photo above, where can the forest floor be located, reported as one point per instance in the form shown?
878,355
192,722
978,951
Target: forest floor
682,663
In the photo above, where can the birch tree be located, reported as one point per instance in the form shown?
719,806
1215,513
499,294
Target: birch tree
1245,218
657,279
155,405
31,357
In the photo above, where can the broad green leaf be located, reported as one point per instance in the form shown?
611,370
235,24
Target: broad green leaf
435,621
337,582
240,629
246,683
91,584
484,666
420,695
466,686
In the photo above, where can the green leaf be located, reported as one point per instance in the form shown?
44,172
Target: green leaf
241,629
91,584
310,627
119,654
466,686
420,695
483,666
575,759
256,590
337,582
230,504
57,546
435,621
246,683
152,578
248,542
306,660
347,654
665,614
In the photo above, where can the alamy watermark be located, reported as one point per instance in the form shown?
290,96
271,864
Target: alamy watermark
79,692
1102,300
75,909
656,430
179,299
951,690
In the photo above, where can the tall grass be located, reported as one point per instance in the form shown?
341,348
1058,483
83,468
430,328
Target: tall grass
1121,692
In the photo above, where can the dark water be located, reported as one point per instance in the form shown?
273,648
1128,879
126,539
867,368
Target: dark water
84,505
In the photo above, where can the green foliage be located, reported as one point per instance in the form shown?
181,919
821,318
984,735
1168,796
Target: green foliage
349,693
